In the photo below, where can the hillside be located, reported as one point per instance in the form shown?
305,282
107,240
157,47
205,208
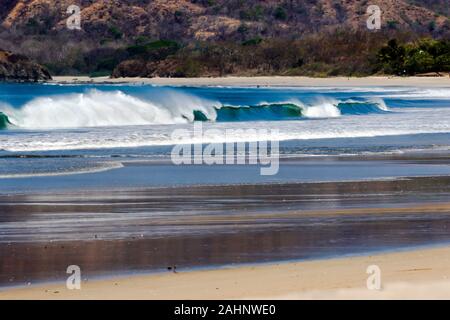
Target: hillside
217,19
37,28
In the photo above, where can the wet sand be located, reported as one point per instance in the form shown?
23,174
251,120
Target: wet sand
420,274
272,81
120,232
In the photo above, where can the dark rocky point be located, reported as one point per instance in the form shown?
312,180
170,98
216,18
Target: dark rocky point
18,68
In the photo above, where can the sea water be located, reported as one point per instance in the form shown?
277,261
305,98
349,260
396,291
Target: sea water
49,130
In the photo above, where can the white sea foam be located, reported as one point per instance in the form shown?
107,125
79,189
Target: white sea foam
99,167
322,108
402,122
413,94
98,109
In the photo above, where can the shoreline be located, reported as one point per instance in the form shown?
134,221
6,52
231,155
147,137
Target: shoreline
417,274
265,81
103,257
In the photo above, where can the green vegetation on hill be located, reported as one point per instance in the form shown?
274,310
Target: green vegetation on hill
338,53
335,53
155,50
423,56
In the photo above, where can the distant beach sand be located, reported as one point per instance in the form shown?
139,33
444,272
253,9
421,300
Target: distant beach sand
275,81
420,274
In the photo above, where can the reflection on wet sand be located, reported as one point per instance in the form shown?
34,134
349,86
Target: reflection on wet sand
110,232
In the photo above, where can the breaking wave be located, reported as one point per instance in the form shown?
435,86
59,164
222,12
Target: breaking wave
99,109
4,121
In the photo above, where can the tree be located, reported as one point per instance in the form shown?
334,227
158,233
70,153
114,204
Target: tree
280,13
392,57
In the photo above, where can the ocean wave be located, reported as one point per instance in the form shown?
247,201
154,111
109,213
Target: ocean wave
294,109
99,109
4,121
420,121
96,108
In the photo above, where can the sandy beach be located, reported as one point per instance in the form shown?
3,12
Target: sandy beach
272,81
406,275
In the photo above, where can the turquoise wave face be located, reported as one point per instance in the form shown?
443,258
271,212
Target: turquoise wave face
262,112
273,112
283,111
4,121
360,108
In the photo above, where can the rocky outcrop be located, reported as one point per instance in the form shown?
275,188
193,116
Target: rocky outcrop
15,67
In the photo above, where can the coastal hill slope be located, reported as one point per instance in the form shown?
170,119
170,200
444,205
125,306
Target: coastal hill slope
214,37
219,19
